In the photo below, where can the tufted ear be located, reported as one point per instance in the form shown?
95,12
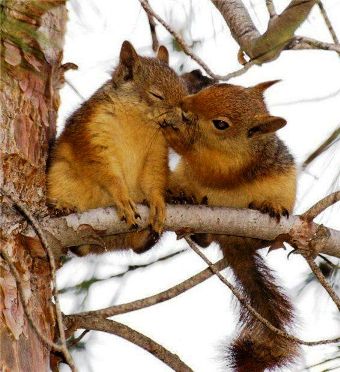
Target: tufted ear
266,124
261,87
163,54
129,59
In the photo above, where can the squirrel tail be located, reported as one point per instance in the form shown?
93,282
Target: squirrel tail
258,348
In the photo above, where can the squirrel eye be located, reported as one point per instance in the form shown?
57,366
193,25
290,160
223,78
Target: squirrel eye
220,124
158,96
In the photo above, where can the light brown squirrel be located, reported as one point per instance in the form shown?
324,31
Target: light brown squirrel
112,152
232,157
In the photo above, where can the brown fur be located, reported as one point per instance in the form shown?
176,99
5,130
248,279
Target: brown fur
112,152
195,81
243,165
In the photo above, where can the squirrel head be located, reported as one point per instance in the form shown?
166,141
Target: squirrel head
152,81
231,118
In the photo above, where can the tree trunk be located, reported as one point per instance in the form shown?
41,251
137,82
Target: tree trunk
31,54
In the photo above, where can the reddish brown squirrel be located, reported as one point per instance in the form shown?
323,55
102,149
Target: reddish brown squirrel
232,157
112,152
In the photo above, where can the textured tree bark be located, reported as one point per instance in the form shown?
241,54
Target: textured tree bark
31,54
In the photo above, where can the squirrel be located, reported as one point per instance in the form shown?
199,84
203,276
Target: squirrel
112,152
195,81
232,157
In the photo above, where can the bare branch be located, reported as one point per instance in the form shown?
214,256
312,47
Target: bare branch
321,205
328,22
244,302
28,215
323,147
310,100
152,24
137,338
317,272
281,29
186,49
76,229
271,8
301,43
159,297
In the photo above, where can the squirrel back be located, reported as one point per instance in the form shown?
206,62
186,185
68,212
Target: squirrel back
232,157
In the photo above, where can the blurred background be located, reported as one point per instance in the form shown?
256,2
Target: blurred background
199,322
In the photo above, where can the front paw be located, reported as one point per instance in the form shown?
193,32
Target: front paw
127,211
275,210
157,215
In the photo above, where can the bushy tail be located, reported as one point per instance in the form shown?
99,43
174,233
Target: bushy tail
257,348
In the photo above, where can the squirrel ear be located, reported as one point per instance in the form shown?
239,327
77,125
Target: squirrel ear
163,54
265,85
266,124
128,59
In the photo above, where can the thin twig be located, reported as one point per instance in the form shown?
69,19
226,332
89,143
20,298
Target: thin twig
271,8
152,24
328,22
28,215
137,338
323,147
244,302
321,205
302,42
24,302
157,298
186,49
318,273
78,339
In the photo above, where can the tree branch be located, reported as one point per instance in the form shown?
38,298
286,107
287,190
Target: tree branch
152,24
76,229
321,205
187,50
271,8
318,274
328,22
302,42
129,334
157,298
281,29
244,302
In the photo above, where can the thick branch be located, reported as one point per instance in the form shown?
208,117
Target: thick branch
129,334
281,29
76,229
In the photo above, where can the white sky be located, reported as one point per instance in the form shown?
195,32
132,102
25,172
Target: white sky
194,324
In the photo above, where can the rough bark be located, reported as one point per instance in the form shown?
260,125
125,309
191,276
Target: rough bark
31,53
281,28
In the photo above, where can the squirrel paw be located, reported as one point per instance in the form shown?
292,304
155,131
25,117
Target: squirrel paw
157,215
126,210
274,210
